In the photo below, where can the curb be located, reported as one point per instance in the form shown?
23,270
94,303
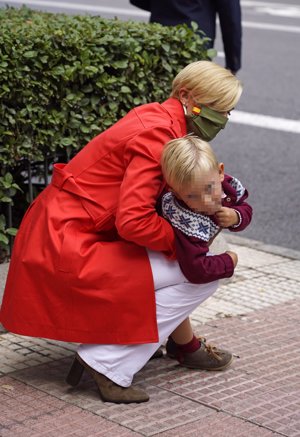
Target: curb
263,247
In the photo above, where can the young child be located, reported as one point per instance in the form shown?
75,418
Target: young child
202,200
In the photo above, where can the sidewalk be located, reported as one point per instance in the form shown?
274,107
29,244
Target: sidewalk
256,315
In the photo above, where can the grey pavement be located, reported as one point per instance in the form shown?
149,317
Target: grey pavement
256,315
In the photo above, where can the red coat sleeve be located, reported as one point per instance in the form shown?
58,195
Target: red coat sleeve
136,217
196,265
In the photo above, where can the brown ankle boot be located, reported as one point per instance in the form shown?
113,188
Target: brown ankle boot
109,390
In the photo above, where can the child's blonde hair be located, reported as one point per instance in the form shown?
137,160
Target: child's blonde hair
210,85
183,159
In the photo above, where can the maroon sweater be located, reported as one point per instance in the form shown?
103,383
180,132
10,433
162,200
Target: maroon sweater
194,232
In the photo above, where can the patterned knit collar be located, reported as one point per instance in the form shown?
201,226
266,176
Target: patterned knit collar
193,223
187,221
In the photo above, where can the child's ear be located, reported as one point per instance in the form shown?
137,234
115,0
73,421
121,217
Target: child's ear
221,171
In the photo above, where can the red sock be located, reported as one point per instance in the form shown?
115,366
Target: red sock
190,347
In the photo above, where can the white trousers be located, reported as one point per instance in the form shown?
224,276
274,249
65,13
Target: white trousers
176,298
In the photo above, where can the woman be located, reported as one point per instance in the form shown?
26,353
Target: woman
92,250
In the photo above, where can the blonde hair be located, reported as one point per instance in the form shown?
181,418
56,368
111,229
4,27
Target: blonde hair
185,158
209,84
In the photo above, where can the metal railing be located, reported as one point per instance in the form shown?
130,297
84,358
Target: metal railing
32,177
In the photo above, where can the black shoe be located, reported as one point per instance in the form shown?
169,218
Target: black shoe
157,354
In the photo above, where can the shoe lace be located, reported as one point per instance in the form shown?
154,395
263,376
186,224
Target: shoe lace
211,349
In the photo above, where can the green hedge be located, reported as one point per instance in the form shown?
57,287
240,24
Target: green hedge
64,79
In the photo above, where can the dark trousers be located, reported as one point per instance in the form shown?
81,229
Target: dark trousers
204,13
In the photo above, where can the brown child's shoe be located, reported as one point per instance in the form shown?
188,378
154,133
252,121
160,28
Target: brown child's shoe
207,357
109,390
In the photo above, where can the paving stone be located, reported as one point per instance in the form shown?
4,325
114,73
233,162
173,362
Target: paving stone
241,273
246,296
289,269
52,417
217,308
251,289
255,258
257,388
255,315
219,424
164,411
265,381
19,352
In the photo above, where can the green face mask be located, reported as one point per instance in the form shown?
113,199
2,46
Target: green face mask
206,124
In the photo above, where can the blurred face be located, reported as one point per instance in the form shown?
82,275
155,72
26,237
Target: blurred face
204,195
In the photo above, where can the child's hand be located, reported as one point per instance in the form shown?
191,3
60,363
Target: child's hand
227,217
233,256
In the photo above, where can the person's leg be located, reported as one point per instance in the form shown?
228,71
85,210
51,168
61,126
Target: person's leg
114,366
120,363
205,16
167,273
173,12
174,303
183,333
229,12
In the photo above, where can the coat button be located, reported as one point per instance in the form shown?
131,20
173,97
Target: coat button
228,199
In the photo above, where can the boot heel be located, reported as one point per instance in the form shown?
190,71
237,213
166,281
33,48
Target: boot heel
75,373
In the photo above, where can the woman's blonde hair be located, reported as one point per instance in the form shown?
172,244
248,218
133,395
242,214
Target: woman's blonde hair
183,159
209,84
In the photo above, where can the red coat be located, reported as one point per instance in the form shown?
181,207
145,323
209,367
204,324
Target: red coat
79,269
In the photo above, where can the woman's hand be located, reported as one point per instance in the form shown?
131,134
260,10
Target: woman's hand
227,217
